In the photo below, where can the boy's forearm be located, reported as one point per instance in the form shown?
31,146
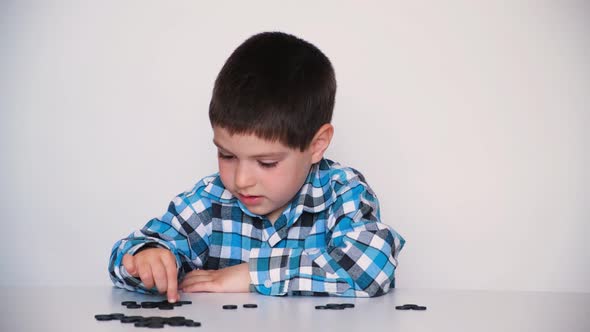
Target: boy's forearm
355,269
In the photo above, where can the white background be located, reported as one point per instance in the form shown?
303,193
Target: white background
469,120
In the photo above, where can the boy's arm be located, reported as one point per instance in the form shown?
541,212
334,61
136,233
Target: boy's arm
179,230
359,260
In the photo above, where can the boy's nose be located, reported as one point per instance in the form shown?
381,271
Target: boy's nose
243,177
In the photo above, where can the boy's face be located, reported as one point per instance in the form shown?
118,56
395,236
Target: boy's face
263,175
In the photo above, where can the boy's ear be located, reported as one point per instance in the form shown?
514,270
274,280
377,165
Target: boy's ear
320,142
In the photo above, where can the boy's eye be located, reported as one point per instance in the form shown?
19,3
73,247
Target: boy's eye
267,165
224,156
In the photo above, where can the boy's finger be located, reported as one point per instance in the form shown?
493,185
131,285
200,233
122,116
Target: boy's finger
160,278
172,276
129,264
145,274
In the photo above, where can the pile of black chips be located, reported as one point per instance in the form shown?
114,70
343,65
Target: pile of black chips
334,306
151,322
162,305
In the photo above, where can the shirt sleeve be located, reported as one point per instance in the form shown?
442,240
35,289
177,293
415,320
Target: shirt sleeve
359,260
179,230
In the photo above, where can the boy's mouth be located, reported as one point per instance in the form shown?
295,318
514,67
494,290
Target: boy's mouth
250,200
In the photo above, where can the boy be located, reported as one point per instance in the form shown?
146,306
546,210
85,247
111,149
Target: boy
278,218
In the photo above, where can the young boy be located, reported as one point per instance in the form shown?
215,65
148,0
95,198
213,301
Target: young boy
278,218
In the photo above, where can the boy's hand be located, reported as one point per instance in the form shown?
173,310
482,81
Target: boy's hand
233,279
155,266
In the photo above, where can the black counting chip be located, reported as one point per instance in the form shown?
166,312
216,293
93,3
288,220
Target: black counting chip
185,302
175,322
131,319
175,304
103,317
142,323
336,307
155,319
128,303
117,316
191,323
133,306
230,306
410,307
155,325
175,318
166,306
149,304
250,305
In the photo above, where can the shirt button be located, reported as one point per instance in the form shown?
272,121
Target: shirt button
267,283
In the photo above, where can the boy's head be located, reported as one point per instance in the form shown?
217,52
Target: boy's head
270,111
277,87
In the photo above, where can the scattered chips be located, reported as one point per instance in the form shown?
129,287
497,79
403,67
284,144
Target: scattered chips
150,322
162,305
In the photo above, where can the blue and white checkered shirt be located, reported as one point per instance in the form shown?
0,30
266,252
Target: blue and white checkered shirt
328,241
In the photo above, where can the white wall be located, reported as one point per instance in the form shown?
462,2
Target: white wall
470,121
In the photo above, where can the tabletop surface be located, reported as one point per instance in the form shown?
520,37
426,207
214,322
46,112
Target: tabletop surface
73,309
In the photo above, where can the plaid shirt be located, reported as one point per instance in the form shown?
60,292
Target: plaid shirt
328,241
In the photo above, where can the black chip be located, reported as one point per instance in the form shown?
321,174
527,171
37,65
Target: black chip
176,304
336,307
154,319
347,305
133,306
103,317
410,307
321,307
131,319
191,323
150,304
185,302
164,306
175,318
142,323
403,307
230,306
175,322
117,316
155,326
250,305
128,302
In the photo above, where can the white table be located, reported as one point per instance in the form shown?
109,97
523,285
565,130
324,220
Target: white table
73,309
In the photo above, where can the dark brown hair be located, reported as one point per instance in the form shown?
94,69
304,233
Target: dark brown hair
277,87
